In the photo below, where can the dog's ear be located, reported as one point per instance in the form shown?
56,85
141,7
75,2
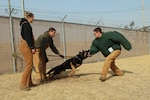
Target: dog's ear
80,52
83,50
88,50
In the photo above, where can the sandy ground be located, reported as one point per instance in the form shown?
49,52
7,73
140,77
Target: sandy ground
85,85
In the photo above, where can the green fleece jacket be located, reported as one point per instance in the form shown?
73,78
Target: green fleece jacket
108,42
43,42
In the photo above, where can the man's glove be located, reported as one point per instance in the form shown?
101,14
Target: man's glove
61,56
89,55
46,59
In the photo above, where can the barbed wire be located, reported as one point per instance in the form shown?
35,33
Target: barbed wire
75,17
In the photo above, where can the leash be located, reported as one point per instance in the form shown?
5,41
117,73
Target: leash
58,56
17,56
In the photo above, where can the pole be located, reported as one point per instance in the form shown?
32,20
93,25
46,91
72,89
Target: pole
64,37
22,7
143,14
12,37
149,40
97,26
97,23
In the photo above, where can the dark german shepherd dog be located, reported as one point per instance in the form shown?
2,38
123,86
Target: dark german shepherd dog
71,63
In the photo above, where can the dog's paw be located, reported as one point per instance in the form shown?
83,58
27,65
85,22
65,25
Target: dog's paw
50,76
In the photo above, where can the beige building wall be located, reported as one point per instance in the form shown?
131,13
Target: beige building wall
78,37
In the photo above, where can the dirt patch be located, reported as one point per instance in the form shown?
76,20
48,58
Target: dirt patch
85,85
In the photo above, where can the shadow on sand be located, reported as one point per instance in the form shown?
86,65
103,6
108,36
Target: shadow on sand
64,76
113,74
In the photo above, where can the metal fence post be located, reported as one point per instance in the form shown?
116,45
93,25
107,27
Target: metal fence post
98,52
149,41
22,7
12,37
64,37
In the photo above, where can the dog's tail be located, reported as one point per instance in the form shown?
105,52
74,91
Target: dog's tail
51,70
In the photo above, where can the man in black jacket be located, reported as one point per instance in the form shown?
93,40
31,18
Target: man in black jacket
40,58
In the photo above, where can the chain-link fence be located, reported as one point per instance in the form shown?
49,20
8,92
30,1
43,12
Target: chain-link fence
77,37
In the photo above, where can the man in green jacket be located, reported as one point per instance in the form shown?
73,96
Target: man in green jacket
109,43
40,58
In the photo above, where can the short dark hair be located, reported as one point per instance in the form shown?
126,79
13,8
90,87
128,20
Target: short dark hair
97,30
51,29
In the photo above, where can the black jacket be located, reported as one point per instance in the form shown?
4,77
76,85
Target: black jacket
43,42
26,32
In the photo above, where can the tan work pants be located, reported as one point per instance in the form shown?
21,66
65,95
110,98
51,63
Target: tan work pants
110,63
28,57
40,65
